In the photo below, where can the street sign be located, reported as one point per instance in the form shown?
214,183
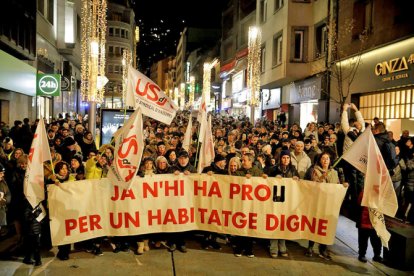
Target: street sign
48,85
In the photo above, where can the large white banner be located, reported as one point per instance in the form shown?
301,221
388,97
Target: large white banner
265,208
143,92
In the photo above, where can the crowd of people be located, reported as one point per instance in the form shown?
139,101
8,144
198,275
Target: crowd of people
265,149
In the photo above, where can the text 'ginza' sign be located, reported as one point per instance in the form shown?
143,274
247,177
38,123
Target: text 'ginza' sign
257,207
394,66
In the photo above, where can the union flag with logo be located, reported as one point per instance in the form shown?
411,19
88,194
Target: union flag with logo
129,146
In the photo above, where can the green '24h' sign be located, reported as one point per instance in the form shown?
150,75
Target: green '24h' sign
48,85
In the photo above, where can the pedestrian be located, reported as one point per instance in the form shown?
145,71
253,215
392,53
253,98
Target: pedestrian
324,173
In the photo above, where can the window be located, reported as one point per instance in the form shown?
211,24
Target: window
111,31
278,4
263,11
122,33
299,44
362,16
111,50
262,59
321,39
110,69
41,6
50,10
116,32
277,49
116,69
126,34
46,8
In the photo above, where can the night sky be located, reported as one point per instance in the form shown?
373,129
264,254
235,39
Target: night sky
161,22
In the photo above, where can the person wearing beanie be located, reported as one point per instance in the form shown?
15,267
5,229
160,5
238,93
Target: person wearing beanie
245,244
176,240
77,170
286,170
218,166
8,147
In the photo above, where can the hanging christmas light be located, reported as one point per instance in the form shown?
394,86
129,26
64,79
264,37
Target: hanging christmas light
253,65
93,41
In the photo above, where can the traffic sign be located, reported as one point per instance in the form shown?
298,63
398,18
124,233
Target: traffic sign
48,85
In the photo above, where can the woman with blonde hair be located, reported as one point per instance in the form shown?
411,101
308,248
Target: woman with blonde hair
234,165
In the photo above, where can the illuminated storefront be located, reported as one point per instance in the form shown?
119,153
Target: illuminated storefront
271,103
384,86
306,102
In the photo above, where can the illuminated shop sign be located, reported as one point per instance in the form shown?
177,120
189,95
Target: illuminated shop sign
399,64
306,90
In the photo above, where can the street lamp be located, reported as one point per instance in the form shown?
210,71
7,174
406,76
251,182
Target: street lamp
253,68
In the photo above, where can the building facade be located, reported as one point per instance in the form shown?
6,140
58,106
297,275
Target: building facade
294,49
120,38
383,86
238,16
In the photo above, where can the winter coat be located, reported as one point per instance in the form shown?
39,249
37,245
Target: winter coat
326,176
253,171
4,201
301,162
94,169
286,172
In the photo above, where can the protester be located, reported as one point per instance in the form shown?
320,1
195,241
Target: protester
287,170
324,173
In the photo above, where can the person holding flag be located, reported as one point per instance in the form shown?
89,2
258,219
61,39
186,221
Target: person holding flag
34,189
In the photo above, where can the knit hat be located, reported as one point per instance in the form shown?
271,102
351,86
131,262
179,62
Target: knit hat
78,158
69,141
284,152
182,153
8,140
219,158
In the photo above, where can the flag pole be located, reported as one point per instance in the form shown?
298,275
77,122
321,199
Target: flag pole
337,161
198,146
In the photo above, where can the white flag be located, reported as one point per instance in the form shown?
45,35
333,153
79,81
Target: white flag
34,183
379,195
202,117
188,135
143,92
207,153
129,146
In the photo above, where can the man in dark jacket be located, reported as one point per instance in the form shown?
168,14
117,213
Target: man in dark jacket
218,166
176,240
385,146
248,170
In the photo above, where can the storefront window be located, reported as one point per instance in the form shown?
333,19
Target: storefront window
389,105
